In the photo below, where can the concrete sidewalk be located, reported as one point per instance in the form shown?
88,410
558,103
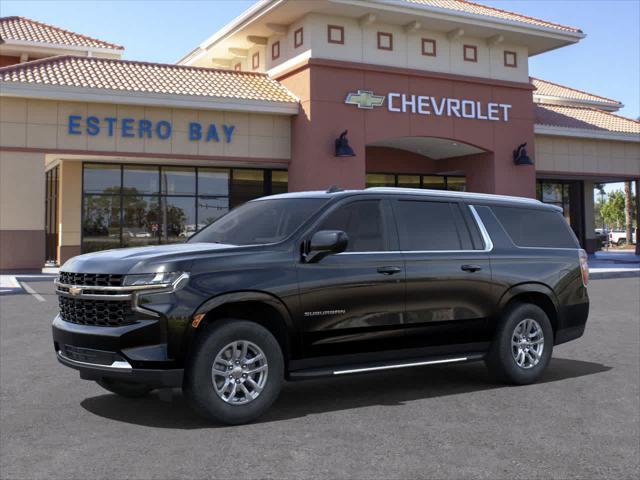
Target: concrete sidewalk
614,264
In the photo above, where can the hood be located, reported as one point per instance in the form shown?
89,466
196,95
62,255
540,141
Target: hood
157,258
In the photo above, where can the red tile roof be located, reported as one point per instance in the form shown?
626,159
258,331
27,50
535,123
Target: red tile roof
583,118
547,88
483,10
27,30
144,77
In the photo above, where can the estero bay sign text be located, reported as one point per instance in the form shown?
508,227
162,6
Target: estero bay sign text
144,128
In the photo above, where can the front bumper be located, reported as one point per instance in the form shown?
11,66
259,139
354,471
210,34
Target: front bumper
122,370
135,353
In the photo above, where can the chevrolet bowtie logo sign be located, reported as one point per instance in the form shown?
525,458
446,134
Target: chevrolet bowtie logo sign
75,291
364,99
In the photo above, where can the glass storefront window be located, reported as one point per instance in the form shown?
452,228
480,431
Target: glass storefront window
433,182
409,181
178,181
381,180
140,180
137,205
140,220
458,184
246,185
279,181
178,218
213,181
210,209
98,178
100,222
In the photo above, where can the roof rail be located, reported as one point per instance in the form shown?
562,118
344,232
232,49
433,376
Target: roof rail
450,193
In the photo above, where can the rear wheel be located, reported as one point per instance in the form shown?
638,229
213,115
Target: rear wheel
124,389
523,345
235,373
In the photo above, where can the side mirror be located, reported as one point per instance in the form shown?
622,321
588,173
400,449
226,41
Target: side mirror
323,243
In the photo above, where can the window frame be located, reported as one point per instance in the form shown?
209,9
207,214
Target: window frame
255,61
474,49
515,59
300,32
389,35
336,28
275,50
435,47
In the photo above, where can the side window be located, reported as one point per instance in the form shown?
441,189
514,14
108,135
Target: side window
530,227
364,224
427,225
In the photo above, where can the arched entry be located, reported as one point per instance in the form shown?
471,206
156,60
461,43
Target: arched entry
429,162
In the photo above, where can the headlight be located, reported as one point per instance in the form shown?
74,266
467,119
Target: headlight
160,278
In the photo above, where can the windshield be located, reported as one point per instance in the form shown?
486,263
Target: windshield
260,222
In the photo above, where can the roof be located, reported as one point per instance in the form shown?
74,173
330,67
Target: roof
485,11
143,77
550,89
485,197
583,118
27,30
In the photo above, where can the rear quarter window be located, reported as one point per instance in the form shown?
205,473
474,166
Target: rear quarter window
535,227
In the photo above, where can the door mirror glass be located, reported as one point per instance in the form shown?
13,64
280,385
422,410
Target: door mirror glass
325,242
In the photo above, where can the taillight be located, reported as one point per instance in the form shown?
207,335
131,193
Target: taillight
584,266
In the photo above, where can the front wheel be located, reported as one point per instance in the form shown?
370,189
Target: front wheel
235,372
523,345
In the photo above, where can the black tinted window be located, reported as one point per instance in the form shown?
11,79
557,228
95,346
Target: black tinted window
431,226
536,228
363,223
260,222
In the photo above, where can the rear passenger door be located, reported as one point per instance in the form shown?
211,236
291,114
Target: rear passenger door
449,293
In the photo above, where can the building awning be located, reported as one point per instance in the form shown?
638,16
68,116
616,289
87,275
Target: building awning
122,81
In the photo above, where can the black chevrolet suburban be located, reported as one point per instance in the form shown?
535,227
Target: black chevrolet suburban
302,285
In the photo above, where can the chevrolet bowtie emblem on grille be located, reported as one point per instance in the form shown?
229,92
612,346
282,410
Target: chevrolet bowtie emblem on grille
364,99
75,291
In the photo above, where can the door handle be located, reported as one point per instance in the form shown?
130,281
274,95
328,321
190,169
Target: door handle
389,270
471,268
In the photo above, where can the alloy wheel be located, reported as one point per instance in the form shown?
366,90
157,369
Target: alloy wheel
239,372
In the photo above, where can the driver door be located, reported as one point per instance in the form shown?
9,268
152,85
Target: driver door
353,302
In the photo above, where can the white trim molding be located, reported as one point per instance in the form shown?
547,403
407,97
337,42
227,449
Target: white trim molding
586,133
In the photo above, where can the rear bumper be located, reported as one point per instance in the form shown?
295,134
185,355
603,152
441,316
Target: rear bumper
572,320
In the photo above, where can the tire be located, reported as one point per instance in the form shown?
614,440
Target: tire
205,386
501,359
124,389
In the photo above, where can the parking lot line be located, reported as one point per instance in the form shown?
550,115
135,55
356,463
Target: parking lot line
32,292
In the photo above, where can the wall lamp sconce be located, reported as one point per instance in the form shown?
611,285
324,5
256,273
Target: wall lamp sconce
342,146
520,156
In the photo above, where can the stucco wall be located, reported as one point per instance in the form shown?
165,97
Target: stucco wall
44,124
587,156
21,210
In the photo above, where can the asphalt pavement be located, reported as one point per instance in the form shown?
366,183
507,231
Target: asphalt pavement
580,421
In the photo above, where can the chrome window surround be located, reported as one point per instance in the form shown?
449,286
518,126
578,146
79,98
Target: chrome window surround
488,243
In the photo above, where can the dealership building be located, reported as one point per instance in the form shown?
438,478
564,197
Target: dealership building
98,152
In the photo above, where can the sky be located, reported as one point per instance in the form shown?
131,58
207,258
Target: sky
606,62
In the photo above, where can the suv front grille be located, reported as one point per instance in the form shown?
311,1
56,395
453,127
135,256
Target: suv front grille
102,313
91,279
